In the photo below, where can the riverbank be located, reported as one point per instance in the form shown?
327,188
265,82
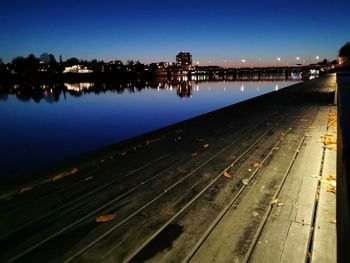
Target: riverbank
213,187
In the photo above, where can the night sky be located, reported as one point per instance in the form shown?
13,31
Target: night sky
215,32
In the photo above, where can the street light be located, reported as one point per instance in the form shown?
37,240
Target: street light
243,61
298,58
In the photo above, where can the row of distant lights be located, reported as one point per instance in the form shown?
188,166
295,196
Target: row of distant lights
244,60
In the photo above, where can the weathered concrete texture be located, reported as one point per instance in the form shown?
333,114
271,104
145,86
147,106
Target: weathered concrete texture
198,191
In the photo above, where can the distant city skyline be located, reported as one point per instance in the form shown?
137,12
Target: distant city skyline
225,33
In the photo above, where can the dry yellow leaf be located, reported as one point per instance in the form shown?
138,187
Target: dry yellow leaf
105,218
330,188
274,201
257,165
88,178
249,170
206,145
227,175
194,154
334,221
332,177
25,189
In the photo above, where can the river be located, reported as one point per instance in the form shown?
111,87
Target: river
42,124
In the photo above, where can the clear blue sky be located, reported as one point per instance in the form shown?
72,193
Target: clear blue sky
154,30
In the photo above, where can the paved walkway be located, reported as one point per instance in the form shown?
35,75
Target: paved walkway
248,183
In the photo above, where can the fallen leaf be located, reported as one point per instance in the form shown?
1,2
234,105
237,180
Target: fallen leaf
199,140
332,177
105,218
297,151
194,154
206,145
334,221
249,170
307,135
74,171
181,170
59,176
282,133
123,153
312,127
275,148
25,189
227,175
274,201
245,181
280,204
331,189
257,165
88,178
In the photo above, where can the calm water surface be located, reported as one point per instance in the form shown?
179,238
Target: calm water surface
44,124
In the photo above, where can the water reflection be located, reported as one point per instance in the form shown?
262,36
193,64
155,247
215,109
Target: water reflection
62,120
182,85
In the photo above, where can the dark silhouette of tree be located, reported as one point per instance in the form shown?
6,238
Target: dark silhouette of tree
344,55
130,62
2,66
323,62
72,61
344,51
31,63
18,63
44,58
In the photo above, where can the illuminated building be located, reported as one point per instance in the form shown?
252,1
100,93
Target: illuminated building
184,60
